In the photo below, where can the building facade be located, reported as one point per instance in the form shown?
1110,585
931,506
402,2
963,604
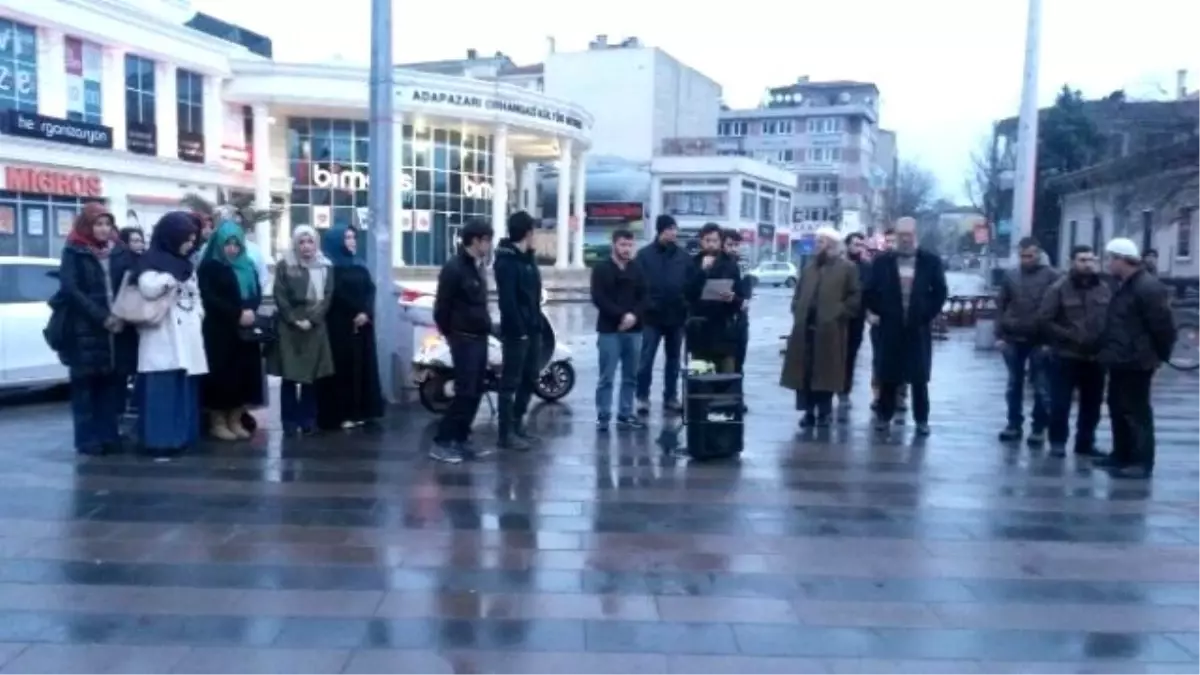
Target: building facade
828,134
173,110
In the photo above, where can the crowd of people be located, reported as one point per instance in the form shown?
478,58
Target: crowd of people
172,328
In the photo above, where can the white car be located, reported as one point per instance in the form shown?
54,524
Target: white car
26,361
774,274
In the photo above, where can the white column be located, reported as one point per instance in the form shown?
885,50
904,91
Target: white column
166,110
500,181
562,229
527,181
112,95
261,153
214,120
580,211
52,73
1025,171
397,213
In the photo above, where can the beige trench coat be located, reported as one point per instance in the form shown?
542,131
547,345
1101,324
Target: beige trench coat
833,286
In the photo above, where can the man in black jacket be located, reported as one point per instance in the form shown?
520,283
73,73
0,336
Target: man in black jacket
519,287
619,294
1138,336
712,330
731,241
666,267
460,311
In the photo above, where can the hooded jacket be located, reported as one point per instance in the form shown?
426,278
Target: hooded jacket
519,291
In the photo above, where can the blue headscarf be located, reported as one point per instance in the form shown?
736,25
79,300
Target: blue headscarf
243,266
333,245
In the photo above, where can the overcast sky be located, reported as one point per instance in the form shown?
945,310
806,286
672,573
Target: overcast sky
945,68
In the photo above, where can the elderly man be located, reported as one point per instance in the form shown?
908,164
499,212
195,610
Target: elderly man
826,300
905,294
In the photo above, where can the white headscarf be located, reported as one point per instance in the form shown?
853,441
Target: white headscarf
317,266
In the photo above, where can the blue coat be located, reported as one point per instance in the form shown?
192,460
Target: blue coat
90,349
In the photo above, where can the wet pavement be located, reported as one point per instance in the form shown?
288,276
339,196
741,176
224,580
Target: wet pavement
838,552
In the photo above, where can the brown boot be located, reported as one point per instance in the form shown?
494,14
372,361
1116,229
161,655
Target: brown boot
219,427
235,424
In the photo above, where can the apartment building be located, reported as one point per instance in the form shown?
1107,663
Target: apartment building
828,134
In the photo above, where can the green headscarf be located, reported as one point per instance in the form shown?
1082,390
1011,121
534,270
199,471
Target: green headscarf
243,266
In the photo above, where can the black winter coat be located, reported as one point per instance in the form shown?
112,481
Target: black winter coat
666,269
90,349
518,291
712,327
461,304
235,366
1139,331
905,341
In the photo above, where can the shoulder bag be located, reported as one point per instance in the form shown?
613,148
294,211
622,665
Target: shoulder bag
133,307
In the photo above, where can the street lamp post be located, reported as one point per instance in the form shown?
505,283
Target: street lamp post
1025,175
379,197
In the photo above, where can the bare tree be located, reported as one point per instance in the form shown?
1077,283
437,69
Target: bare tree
916,190
241,203
983,182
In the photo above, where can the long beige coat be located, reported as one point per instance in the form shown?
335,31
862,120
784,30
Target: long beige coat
834,287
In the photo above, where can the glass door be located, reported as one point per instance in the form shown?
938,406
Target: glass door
64,219
35,235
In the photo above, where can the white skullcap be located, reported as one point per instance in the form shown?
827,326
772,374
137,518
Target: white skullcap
827,232
1122,247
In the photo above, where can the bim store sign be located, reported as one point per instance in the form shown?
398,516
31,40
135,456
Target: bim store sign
55,130
336,178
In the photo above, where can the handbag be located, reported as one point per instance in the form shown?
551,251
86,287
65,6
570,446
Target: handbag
132,307
264,330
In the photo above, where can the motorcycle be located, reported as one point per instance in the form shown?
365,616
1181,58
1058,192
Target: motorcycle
433,369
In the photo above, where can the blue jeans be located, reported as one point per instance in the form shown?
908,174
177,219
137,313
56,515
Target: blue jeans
298,405
614,348
672,339
97,403
1033,362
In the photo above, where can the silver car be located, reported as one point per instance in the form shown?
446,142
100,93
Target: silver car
774,274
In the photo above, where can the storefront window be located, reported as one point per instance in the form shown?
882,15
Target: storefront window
749,202
141,136
18,66
709,204
36,225
442,180
85,71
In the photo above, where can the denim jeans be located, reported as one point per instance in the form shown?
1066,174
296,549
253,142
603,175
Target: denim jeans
97,403
1070,376
1024,361
298,405
672,339
617,348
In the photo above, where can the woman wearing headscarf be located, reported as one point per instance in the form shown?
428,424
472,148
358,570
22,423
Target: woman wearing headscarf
99,349
134,240
351,396
231,292
171,356
303,290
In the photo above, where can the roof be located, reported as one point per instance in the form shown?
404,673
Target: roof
1114,111
503,64
1177,156
827,84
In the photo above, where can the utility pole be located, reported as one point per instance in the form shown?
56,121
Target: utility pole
379,196
1025,175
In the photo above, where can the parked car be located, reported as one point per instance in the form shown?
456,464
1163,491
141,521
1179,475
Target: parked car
774,274
26,361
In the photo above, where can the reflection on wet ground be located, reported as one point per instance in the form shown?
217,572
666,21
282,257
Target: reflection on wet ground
834,552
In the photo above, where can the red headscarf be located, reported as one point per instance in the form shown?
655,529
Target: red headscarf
82,232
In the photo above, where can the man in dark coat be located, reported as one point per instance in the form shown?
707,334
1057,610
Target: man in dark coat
519,290
856,253
712,329
905,294
731,242
665,267
1139,335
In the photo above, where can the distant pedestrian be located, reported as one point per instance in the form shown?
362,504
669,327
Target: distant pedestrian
712,326
825,301
1073,314
1019,337
855,250
665,267
731,240
618,291
1139,335
905,295
460,312
134,240
519,292
1150,261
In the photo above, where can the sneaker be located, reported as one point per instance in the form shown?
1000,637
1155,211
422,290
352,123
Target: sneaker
673,406
514,442
1011,433
602,424
630,422
522,433
643,406
923,429
808,421
1086,451
347,425
1058,450
472,451
445,453
1036,438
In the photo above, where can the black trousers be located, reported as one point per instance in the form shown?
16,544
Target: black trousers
1132,417
470,373
854,338
743,329
888,397
1068,376
518,378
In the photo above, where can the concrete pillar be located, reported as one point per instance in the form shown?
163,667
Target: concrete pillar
112,95
214,120
562,229
261,154
51,73
500,182
397,214
580,212
166,110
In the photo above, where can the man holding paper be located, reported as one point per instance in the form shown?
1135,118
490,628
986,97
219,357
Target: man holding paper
715,295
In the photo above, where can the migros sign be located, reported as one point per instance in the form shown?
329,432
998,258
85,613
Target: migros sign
345,179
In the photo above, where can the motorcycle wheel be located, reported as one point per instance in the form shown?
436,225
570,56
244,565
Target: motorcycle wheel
556,381
433,394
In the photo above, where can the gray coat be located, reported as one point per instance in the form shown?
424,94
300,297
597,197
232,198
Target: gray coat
300,355
1020,301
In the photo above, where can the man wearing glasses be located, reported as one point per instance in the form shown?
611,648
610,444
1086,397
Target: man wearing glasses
1019,337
